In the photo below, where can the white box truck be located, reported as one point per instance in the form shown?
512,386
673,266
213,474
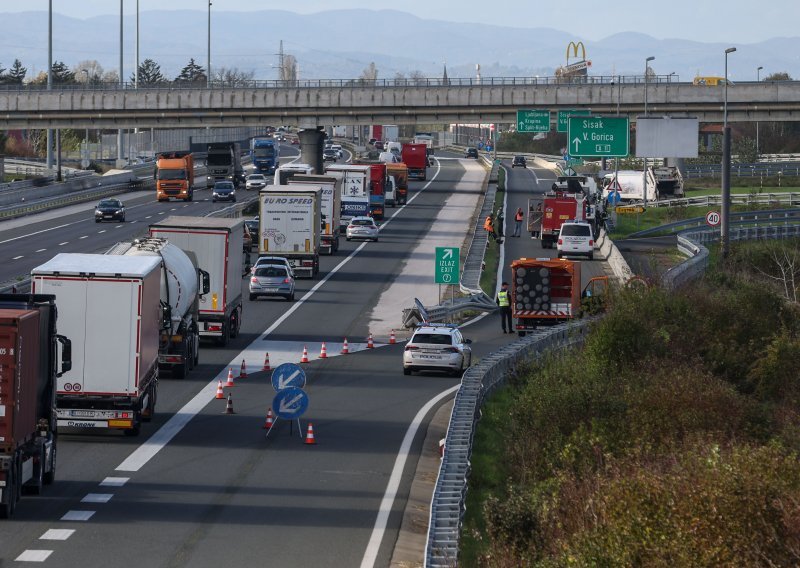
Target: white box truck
290,225
355,191
331,186
286,171
217,244
109,307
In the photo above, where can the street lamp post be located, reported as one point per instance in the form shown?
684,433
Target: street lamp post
758,148
49,154
726,168
644,168
208,60
121,79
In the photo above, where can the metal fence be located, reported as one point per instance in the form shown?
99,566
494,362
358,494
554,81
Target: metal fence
759,169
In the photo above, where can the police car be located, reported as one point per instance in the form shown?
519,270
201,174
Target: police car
437,347
575,239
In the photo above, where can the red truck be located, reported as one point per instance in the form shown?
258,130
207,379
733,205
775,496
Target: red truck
377,187
415,156
28,372
556,208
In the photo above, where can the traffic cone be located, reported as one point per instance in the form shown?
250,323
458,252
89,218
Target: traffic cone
266,363
229,405
243,371
345,348
370,344
304,358
220,394
323,352
269,421
310,440
392,338
229,383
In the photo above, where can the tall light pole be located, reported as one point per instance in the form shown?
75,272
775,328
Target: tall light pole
49,159
208,60
121,79
644,167
726,168
136,76
758,149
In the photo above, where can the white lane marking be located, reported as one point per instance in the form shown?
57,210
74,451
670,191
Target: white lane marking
77,516
85,237
114,481
175,208
41,250
162,213
57,534
118,226
148,216
144,453
67,242
33,556
374,544
18,257
97,498
101,232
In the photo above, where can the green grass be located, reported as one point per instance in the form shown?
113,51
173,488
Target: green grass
755,189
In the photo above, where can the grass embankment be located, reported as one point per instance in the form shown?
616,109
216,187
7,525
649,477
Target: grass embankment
492,256
668,440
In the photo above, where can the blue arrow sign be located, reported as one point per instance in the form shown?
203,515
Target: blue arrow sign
290,403
288,375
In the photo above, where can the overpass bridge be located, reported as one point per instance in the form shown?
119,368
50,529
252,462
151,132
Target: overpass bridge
309,104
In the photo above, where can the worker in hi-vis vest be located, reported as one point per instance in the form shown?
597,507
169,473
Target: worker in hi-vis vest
504,301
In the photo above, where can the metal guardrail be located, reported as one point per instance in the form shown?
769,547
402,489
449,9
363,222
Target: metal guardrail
478,382
789,198
751,217
759,169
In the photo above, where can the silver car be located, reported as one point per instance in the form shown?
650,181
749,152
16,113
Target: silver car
362,228
255,181
279,260
272,280
437,347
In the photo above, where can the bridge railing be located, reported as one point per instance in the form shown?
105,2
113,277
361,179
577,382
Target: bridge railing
360,83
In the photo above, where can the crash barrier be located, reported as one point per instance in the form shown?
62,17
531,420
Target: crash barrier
693,267
787,166
756,218
761,198
448,502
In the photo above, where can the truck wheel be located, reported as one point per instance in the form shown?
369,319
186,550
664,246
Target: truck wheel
234,324
10,492
521,333
50,476
147,415
223,340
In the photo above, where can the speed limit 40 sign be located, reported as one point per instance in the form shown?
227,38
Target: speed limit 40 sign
713,218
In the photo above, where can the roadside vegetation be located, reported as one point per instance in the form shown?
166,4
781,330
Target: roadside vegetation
491,258
667,440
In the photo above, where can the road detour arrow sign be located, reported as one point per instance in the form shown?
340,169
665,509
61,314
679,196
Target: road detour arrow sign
290,403
288,375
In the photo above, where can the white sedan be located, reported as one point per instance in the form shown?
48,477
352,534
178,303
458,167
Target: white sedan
255,181
362,228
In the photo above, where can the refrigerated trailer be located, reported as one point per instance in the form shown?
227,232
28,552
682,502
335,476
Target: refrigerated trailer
217,244
109,307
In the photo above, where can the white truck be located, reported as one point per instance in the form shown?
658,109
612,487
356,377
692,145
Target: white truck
286,171
110,308
331,186
182,282
290,225
217,244
355,191
630,184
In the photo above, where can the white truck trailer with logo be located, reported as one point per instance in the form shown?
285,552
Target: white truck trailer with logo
109,306
355,191
331,185
217,244
290,220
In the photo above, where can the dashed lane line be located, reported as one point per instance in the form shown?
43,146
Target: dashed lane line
85,237
57,534
77,515
97,498
18,257
41,250
34,556
66,242
114,481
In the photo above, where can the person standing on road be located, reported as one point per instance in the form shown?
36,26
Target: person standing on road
500,224
535,220
504,301
518,216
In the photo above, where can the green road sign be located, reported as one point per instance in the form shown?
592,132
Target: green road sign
533,121
561,123
575,162
598,136
447,265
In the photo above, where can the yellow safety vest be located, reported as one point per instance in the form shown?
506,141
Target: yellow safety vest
502,298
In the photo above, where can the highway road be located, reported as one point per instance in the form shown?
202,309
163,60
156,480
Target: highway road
200,488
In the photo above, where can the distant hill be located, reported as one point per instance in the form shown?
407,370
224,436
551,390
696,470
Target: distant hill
341,43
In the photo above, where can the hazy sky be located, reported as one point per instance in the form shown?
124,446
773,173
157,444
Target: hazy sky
731,21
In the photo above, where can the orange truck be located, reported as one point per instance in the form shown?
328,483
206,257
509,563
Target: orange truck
174,176
544,291
399,171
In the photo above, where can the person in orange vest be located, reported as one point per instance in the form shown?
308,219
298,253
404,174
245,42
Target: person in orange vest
489,227
518,217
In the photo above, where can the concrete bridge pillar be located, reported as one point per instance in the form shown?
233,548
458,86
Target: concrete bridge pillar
312,142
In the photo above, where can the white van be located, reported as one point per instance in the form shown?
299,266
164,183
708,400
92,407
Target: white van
390,192
389,157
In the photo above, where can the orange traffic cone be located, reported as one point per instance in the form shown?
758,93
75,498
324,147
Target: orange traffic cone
266,363
370,344
323,352
392,338
229,383
269,421
220,394
229,406
243,371
304,358
345,347
310,440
